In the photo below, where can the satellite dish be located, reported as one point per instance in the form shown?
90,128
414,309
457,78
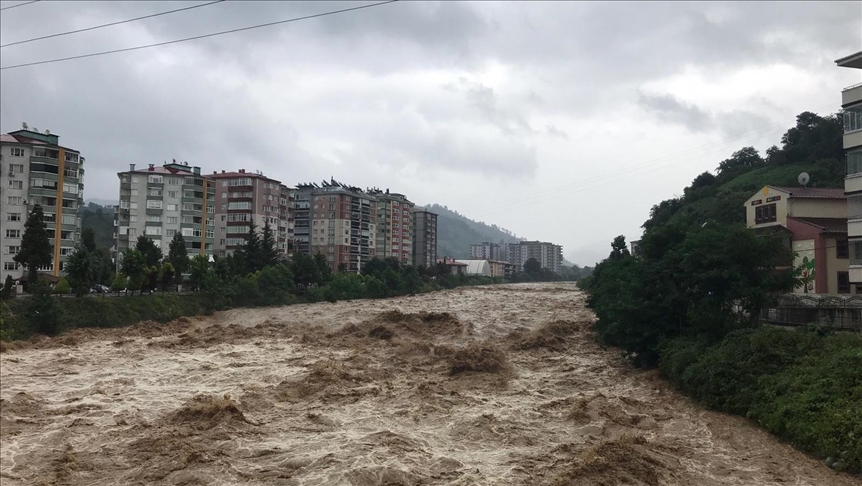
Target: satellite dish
803,179
24,125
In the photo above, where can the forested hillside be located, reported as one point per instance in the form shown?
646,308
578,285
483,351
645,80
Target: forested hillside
455,233
677,303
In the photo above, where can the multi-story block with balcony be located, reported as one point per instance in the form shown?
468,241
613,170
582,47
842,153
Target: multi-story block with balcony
342,224
244,198
37,170
159,202
486,251
851,102
548,255
287,223
394,226
424,238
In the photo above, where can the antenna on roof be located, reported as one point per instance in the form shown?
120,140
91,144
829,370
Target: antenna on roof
803,179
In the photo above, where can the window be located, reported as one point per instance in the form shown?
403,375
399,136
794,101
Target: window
14,200
153,230
154,219
152,204
155,179
173,194
133,205
16,184
852,119
210,233
172,207
12,250
13,233
187,231
842,249
19,168
173,181
239,205
66,250
133,219
170,232
135,193
154,193
765,214
70,203
173,220
242,181
843,282
17,152
69,219
70,188
11,266
854,162
13,216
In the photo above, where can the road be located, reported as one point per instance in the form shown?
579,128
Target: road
499,385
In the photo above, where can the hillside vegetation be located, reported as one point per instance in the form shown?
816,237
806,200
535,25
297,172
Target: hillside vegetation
676,305
455,233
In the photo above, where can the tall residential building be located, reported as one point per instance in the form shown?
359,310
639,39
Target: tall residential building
424,238
394,226
286,223
851,102
161,201
243,198
341,224
548,255
37,170
487,251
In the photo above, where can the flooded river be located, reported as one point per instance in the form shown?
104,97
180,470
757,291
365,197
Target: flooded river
497,385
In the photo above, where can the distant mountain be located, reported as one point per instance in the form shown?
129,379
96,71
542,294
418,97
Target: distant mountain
101,219
455,233
103,202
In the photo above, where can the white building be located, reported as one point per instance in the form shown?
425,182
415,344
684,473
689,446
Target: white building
37,170
851,101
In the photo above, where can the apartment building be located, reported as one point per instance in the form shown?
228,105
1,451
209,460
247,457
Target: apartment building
394,226
244,198
487,251
851,102
339,223
37,170
548,255
159,202
813,223
424,238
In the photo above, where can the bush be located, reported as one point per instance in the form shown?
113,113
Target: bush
41,310
62,286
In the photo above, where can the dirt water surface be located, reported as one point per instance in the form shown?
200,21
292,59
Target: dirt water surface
495,385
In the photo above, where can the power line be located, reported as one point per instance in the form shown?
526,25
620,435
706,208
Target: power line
106,25
19,5
204,36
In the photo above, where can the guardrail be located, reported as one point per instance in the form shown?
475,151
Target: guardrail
834,312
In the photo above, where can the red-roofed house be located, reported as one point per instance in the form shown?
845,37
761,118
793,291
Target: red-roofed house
815,222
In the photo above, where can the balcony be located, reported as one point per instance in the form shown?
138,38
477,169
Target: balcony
851,94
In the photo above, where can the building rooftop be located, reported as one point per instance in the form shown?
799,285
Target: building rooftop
813,192
21,136
828,225
851,61
240,173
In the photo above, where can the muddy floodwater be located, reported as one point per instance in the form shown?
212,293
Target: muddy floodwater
499,385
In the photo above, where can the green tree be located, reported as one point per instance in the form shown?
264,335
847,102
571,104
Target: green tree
619,249
252,251
411,280
274,284
104,267
268,247
305,270
178,257
35,249
119,283
198,268
166,276
88,239
62,286
134,267
152,253
42,309
81,268
532,267
8,288
324,267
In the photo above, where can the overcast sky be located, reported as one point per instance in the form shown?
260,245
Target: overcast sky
563,122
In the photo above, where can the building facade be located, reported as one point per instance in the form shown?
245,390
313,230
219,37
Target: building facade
851,102
424,238
394,226
37,170
342,224
813,222
244,198
548,255
159,202
487,251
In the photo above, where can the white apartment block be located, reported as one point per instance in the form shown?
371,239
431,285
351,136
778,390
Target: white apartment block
159,202
851,102
37,170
